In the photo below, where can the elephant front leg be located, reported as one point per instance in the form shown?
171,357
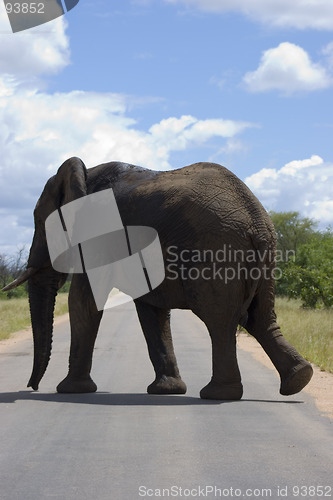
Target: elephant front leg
85,320
155,323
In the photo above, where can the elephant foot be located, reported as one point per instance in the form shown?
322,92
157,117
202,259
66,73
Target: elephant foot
227,392
167,385
299,377
72,385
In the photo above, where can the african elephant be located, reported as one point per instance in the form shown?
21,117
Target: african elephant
205,217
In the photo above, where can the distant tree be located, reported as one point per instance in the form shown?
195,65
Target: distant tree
310,275
292,230
4,270
10,268
18,262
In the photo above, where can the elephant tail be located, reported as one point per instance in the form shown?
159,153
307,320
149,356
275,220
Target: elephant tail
260,271
251,289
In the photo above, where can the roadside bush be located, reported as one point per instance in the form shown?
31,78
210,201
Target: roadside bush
16,293
10,268
309,276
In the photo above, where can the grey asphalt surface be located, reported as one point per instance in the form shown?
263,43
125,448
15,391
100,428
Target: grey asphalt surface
121,443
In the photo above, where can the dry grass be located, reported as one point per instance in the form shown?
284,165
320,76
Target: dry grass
15,315
309,331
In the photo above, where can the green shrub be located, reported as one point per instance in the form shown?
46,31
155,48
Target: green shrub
309,276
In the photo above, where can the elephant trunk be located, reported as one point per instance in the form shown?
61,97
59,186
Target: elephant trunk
43,288
43,281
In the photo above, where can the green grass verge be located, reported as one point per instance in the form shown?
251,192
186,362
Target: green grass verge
15,315
309,331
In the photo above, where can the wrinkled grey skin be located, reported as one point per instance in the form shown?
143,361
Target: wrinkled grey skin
203,206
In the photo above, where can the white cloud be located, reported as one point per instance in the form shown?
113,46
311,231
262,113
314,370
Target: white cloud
39,131
180,133
295,168
328,52
287,68
300,14
45,129
7,86
41,50
301,185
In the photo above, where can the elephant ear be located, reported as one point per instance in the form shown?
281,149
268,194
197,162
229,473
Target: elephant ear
70,181
67,185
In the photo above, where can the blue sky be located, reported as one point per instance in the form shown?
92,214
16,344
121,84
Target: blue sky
166,83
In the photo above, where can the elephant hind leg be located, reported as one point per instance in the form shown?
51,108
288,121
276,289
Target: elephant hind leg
225,383
221,321
295,372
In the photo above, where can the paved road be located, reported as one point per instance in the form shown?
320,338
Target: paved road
121,444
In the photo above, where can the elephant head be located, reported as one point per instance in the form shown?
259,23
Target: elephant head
43,281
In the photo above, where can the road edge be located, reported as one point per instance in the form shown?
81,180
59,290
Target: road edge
26,334
320,387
